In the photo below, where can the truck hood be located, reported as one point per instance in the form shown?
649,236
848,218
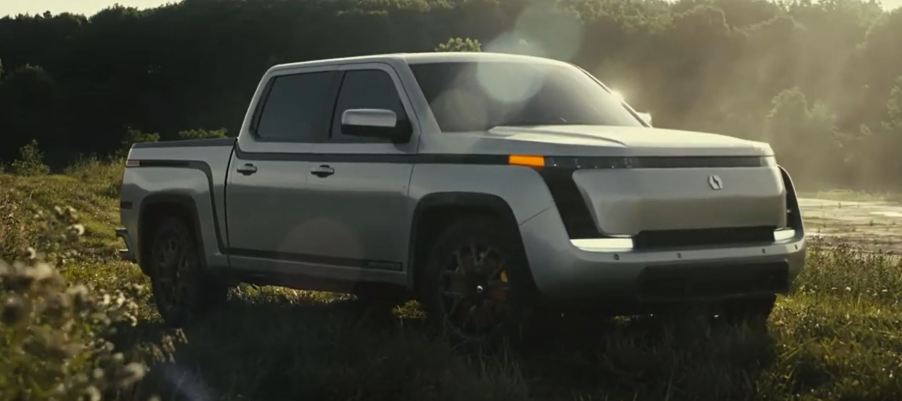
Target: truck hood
615,141
633,201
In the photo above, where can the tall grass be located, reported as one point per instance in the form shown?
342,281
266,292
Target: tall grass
838,335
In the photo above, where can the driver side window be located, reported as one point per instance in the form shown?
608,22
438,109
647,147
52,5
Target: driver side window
366,89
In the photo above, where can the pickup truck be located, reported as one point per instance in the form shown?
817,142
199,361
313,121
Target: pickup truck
483,185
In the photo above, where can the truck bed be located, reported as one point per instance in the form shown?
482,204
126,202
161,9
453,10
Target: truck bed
178,171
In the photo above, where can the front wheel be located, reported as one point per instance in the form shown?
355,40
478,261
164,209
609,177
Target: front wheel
476,282
182,289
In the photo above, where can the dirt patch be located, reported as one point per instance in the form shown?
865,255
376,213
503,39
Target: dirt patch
871,225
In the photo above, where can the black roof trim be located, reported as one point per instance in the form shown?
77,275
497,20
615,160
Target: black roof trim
186,143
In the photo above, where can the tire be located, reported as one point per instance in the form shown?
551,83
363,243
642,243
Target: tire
182,289
476,286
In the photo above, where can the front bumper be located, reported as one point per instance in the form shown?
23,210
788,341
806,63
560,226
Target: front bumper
126,253
562,272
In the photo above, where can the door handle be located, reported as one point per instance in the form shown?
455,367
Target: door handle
247,169
322,171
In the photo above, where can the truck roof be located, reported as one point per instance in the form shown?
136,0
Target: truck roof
424,58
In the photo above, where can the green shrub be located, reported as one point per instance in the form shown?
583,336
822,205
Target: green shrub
30,161
102,171
133,136
459,45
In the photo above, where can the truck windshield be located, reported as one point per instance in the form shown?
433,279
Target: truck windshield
470,96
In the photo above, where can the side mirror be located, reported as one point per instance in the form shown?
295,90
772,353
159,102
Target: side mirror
645,116
374,123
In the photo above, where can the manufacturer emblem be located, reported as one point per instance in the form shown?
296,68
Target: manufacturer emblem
715,182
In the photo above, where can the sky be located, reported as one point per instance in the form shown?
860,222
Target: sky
89,7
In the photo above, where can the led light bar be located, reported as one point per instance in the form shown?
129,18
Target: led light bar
784,234
625,243
603,244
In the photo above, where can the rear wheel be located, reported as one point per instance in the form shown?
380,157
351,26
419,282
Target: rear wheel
182,289
476,286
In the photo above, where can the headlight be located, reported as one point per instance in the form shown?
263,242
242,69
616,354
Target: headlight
603,244
784,234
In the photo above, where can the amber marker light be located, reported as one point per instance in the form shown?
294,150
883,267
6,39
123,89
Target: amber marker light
526,160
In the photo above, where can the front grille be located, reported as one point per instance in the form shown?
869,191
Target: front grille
702,237
570,204
707,281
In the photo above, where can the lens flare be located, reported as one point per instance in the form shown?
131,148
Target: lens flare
504,86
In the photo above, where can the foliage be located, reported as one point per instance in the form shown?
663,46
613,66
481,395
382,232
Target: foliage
32,105
55,333
202,134
894,108
133,136
710,65
30,161
60,218
459,45
105,171
99,170
52,337
792,122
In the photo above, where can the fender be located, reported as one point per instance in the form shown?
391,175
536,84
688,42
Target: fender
196,165
185,203
460,200
793,212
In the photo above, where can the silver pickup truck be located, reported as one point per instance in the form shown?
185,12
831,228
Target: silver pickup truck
481,184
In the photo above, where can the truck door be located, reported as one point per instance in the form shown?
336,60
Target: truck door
266,198
357,197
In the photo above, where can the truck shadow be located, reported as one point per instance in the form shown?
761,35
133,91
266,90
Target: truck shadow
270,350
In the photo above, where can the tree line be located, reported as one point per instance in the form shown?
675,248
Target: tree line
820,80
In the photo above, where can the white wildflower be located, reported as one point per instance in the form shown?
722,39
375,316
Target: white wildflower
77,229
130,374
91,394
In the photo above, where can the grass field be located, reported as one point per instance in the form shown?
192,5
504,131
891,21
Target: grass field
837,336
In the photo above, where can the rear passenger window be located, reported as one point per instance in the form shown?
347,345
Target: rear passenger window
297,108
366,89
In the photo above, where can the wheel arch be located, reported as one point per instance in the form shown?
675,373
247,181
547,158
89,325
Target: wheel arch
435,209
154,209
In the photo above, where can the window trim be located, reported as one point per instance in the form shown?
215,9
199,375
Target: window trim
623,103
264,97
264,100
406,103
398,91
